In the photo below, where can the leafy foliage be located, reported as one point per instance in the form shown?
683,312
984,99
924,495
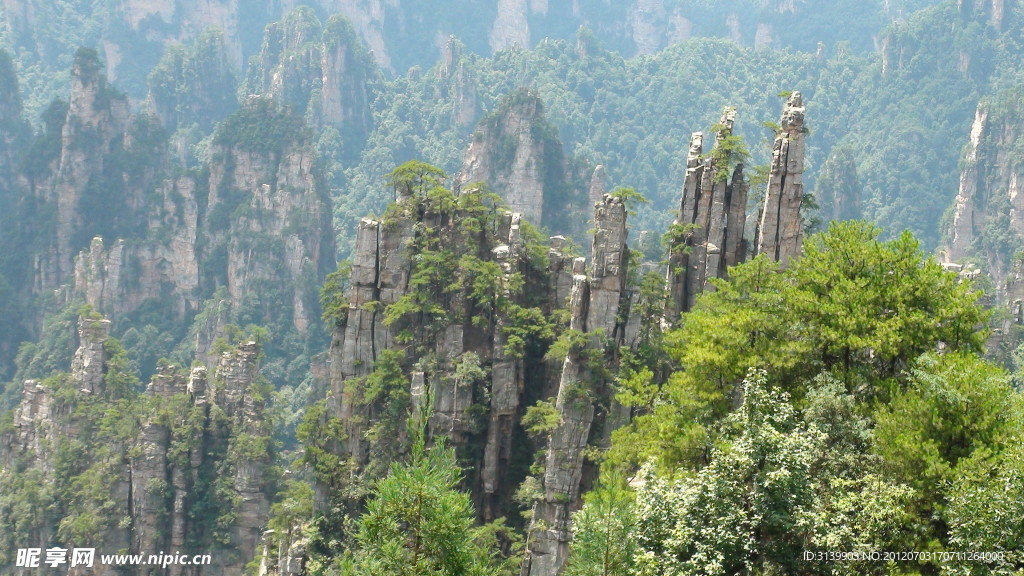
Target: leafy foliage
851,305
418,523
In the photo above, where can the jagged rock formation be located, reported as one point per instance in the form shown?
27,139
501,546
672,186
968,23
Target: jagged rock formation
988,213
517,152
321,70
987,226
476,357
154,486
598,307
265,199
780,227
709,227
461,87
174,239
472,360
91,131
194,85
131,31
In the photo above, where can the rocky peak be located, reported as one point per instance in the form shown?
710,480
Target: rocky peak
596,303
320,69
518,154
780,228
93,130
988,212
708,231
88,364
837,187
195,84
235,374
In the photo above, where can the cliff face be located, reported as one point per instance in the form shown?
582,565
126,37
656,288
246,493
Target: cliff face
466,349
518,153
780,227
179,467
92,130
708,230
267,223
194,86
174,240
988,213
599,308
986,230
838,188
321,70
479,356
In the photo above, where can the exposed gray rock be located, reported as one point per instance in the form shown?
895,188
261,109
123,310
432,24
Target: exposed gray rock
780,231
87,366
709,227
596,304
510,151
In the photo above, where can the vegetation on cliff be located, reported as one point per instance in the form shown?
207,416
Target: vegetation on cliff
487,395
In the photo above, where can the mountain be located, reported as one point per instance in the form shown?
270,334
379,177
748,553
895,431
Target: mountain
268,261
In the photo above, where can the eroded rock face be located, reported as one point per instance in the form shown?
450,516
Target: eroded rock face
322,70
967,216
264,246
160,466
195,84
92,130
780,229
598,306
519,155
709,227
259,226
989,203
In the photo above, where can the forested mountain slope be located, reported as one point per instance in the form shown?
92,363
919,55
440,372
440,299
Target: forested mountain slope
598,290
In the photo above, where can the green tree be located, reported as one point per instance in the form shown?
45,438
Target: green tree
334,295
869,307
740,513
773,489
604,533
957,414
986,511
856,307
417,523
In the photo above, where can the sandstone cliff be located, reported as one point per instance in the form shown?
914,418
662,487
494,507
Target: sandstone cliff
518,153
458,346
988,213
113,219
323,71
179,467
193,87
780,226
79,176
708,231
599,307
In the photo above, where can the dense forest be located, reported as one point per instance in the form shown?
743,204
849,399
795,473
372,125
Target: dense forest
513,287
